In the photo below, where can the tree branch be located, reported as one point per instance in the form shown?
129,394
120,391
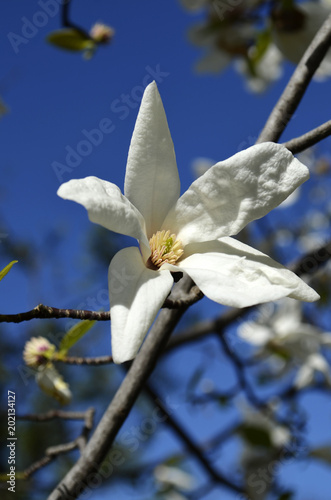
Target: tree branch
294,91
86,468
239,367
309,139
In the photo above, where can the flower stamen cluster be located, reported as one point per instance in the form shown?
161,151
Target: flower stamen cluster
165,248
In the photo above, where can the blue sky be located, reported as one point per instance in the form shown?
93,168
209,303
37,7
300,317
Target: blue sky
57,100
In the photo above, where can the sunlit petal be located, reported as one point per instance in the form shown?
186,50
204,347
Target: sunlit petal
136,295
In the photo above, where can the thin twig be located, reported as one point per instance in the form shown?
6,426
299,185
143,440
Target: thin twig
37,466
47,312
214,396
97,361
193,448
294,91
64,415
50,454
239,367
219,439
309,139
53,451
69,24
196,332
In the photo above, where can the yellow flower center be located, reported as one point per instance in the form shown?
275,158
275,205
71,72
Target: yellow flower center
165,248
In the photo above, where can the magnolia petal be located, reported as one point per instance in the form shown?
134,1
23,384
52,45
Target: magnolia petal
293,44
254,333
234,274
304,377
151,181
106,206
234,192
136,295
314,363
325,339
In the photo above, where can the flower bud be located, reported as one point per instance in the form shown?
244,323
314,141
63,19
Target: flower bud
51,382
101,33
37,351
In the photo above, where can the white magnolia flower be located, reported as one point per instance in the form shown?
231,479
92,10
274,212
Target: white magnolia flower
231,43
258,455
190,233
293,42
267,70
279,435
173,476
220,46
285,333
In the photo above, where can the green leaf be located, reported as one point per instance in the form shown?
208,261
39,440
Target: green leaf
73,335
70,39
322,453
6,269
255,435
262,43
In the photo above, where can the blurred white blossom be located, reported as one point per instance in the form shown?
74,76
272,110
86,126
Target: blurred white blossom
232,33
291,342
259,460
294,29
200,165
170,479
267,70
